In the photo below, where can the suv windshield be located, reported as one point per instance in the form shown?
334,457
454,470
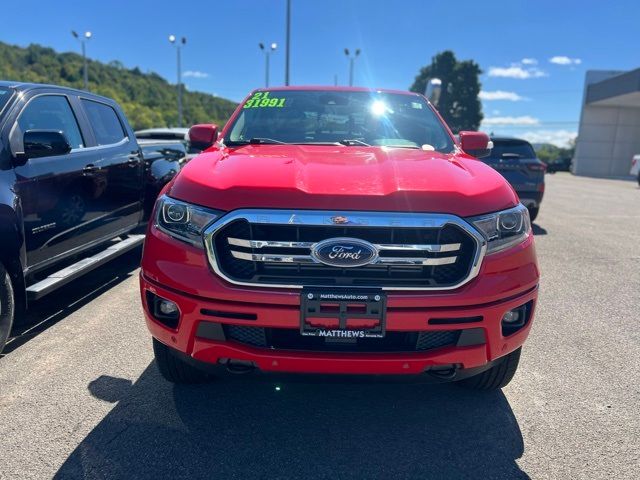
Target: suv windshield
5,95
511,149
332,117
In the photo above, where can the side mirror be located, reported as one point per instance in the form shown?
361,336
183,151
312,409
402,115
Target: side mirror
44,143
203,136
476,144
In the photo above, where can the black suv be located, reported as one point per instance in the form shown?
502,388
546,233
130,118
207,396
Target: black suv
72,181
516,160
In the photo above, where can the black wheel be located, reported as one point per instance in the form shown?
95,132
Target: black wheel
497,376
174,369
533,212
7,306
639,179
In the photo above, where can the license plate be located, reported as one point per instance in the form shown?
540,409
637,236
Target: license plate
341,315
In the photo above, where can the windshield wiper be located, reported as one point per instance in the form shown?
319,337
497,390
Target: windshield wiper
353,142
265,141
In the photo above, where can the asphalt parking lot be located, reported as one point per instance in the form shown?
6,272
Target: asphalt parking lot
81,398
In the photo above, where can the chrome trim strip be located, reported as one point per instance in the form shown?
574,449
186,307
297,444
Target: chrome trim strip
274,258
364,219
446,247
240,242
416,261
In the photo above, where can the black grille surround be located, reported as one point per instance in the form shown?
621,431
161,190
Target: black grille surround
272,248
290,339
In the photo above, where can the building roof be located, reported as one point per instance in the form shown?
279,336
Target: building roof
622,90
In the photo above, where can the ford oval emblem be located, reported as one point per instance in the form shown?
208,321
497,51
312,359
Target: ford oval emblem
344,252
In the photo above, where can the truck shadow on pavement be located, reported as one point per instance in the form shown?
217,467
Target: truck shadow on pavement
58,305
311,427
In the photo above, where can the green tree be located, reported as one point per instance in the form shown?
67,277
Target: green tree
459,104
147,99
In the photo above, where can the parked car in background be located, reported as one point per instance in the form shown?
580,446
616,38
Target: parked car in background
560,165
177,134
635,167
162,161
73,185
516,160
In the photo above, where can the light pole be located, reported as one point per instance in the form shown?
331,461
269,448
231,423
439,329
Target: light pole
287,44
179,45
352,59
83,40
267,54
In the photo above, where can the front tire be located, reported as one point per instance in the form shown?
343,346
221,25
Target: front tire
174,369
497,376
7,306
533,212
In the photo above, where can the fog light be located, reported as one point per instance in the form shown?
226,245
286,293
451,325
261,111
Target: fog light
167,307
515,319
511,316
163,310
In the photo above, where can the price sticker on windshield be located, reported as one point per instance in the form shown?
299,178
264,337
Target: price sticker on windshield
263,100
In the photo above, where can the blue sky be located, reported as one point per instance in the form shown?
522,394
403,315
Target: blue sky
534,53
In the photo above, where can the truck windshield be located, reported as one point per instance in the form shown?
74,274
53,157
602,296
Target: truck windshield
5,94
339,117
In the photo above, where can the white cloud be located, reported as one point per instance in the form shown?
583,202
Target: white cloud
516,70
195,74
559,138
529,61
501,95
564,60
522,120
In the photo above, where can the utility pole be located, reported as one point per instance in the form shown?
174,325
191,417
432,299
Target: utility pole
179,45
267,54
85,68
352,59
288,44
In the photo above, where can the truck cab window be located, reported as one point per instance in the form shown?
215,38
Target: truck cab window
51,112
104,120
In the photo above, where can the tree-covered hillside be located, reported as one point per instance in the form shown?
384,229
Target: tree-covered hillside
147,98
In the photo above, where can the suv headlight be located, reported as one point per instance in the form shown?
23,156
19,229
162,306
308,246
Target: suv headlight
182,220
503,229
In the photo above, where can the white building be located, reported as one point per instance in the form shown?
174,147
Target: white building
609,132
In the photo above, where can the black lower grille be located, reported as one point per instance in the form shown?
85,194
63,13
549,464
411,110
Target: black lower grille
289,339
246,270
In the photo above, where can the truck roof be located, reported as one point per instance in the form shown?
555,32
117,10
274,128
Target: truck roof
337,89
26,86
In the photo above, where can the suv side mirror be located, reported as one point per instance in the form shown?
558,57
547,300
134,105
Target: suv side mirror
44,143
476,144
202,136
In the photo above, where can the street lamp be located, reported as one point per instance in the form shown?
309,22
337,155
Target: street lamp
267,54
352,59
83,40
179,44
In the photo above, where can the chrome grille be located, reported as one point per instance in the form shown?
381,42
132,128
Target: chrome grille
414,251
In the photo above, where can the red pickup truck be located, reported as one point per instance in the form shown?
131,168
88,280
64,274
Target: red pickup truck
339,231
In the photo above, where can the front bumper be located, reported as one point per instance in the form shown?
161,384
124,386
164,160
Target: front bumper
179,272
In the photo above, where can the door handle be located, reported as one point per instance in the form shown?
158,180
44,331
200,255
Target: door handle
90,169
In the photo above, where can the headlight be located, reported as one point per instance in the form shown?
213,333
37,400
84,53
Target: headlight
503,229
183,221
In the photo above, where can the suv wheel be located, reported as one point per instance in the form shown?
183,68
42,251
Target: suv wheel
533,212
7,306
174,369
497,376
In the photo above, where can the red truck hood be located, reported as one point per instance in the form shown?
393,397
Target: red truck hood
342,178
